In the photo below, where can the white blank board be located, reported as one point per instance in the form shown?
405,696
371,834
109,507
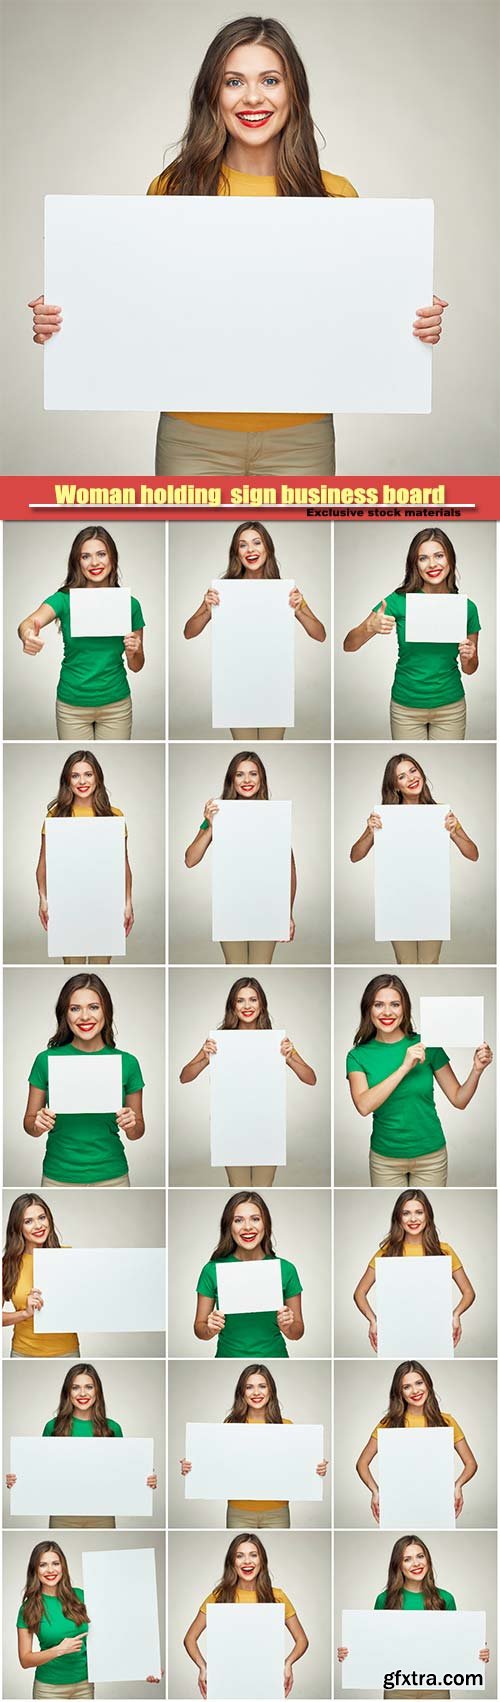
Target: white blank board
381,1643
272,1461
82,1474
100,1288
416,1479
147,329
248,1098
86,886
412,873
245,1650
435,619
453,1021
413,1302
104,612
249,1286
251,873
85,1084
119,1587
253,654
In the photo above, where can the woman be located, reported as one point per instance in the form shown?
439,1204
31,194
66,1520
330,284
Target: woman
245,778
256,1402
30,1224
249,132
413,1405
246,1580
247,1010
93,696
246,1235
406,784
413,1234
411,1585
53,1610
81,1412
391,1074
82,792
84,1148
252,556
428,699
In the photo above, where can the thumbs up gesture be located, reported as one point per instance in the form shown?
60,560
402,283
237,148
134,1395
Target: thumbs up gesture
31,641
379,621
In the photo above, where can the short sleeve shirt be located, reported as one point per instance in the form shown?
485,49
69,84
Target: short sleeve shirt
407,1124
250,1334
427,675
85,1147
92,670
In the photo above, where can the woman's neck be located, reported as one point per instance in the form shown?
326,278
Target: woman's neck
389,1039
254,162
415,1585
242,1025
436,590
94,1045
413,1240
249,1253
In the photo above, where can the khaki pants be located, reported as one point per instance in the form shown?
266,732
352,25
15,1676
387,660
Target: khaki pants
62,1690
31,1356
66,1522
255,1175
446,722
184,450
257,732
86,960
270,1519
111,1182
417,951
407,1693
248,951
102,721
430,1170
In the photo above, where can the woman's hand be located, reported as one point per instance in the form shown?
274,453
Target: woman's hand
69,1645
375,1505
484,1655
34,1301
379,622
152,1482
482,1057
215,1322
46,320
186,1466
372,1336
43,911
428,324
322,1468
10,1479
151,1679
128,918
126,1118
414,1055
202,1679
209,1049
32,644
131,643
342,1654
210,810
450,822
286,1047
44,1121
211,601
459,1500
457,1328
288,1677
374,822
296,598
284,1317
467,649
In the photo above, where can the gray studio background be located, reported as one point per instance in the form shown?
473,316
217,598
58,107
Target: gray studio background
17,1550
29,1020
371,74
35,565
465,1219
463,778
105,1218
299,772
464,1562
464,1388
470,1134
369,563
31,1393
203,1394
299,1003
301,1231
134,778
300,1566
199,553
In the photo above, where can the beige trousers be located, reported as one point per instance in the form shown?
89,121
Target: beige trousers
255,1175
430,1170
66,1522
111,1182
184,450
417,951
446,722
31,1356
412,1693
41,1690
248,951
86,960
101,721
257,732
270,1519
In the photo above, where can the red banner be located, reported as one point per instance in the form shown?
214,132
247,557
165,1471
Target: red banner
391,497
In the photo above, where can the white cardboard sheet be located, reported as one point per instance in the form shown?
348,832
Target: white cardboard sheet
251,879
416,1479
253,654
80,1474
412,873
381,1643
272,1461
452,1021
413,1303
100,612
124,1639
248,1098
86,886
100,1289
249,1286
85,1084
435,620
245,1651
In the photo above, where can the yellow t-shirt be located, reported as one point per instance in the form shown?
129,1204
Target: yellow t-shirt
250,1596
251,184
259,1506
418,1252
24,1340
418,1421
86,810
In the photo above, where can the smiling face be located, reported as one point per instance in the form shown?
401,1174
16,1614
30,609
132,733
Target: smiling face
413,1218
247,1227
83,1393
85,1015
82,780
35,1226
409,780
246,779
413,1563
414,1389
247,1563
387,1011
253,99
95,563
252,552
257,1392
247,1007
433,565
49,1569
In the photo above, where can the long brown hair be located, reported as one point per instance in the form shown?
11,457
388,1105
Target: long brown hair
390,790
66,1413
63,1035
226,1245
396,1581
199,167
230,1017
15,1245
398,1407
229,790
412,580
74,577
229,1583
62,805
236,569
367,1028
239,1409
393,1243
33,1603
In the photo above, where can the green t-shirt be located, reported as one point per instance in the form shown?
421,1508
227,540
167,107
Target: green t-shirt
53,1627
415,1599
407,1125
93,670
86,1146
81,1427
427,675
250,1334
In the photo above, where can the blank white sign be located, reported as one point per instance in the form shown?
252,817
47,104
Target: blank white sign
119,1587
412,873
249,1286
381,1643
251,850
253,654
100,1288
100,612
452,1021
416,1479
254,1461
248,1098
435,620
85,886
245,1650
82,1474
85,1084
413,1302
